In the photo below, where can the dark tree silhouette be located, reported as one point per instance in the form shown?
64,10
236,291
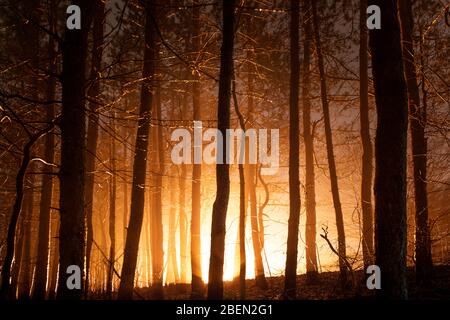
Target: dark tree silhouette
390,152
330,153
290,283
367,157
417,120
219,213
308,137
73,130
140,162
92,131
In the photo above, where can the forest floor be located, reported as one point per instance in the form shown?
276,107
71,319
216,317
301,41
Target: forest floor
327,288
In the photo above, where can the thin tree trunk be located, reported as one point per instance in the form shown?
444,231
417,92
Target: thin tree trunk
330,153
156,213
182,208
112,213
290,283
139,164
310,184
196,259
242,196
215,283
417,119
25,266
92,132
390,152
260,277
47,179
125,195
367,167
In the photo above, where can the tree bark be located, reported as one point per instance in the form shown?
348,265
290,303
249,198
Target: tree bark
417,120
92,131
290,282
139,163
220,206
242,197
24,285
310,187
330,153
156,213
112,212
390,152
260,277
73,127
47,179
367,166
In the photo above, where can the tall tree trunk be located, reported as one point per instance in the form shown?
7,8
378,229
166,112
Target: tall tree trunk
260,278
47,179
73,127
390,152
417,116
182,204
290,283
125,193
242,196
330,153
139,163
25,266
112,213
310,184
196,259
367,167
215,280
156,213
92,132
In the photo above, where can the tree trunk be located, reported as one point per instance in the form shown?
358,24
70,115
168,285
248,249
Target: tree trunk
54,257
390,152
310,185
215,280
182,203
47,180
417,116
73,127
156,213
242,197
25,266
139,163
290,282
17,260
92,133
330,153
260,277
196,259
112,213
367,167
